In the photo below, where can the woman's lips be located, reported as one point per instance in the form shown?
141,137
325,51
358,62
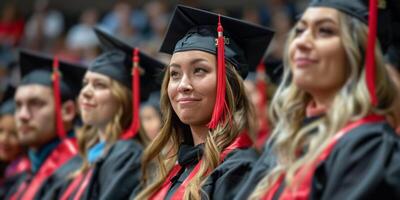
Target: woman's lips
304,62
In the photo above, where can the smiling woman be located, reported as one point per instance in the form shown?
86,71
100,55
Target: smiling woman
202,160
327,128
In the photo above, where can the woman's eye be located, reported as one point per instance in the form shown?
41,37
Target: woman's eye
199,70
174,74
298,31
100,85
326,31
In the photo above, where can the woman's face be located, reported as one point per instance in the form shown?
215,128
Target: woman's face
9,145
96,101
316,54
192,86
151,121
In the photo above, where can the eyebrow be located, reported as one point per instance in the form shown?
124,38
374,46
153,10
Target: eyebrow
319,21
191,62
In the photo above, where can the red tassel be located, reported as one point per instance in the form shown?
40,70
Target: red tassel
57,99
135,124
262,86
370,57
221,107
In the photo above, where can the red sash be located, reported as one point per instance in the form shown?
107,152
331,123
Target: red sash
304,176
242,141
78,185
63,152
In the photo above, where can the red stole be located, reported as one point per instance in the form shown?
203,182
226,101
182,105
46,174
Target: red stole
242,141
60,155
304,175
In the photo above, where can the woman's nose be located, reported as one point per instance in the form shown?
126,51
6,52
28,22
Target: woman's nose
185,85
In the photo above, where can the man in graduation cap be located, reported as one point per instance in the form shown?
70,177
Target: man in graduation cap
45,113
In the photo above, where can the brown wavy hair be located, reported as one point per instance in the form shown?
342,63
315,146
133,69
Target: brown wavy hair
173,133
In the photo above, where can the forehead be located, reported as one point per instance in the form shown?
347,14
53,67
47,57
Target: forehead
96,76
186,57
33,91
320,14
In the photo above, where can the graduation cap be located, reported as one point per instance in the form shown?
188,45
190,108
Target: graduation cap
239,42
131,67
382,13
64,78
37,68
7,104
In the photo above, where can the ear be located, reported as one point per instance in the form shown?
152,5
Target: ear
68,111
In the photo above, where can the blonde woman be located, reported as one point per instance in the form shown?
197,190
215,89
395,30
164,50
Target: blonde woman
110,149
330,141
203,161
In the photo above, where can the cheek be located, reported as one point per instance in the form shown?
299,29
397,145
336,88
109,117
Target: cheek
172,92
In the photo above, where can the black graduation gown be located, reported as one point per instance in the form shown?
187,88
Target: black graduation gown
263,165
57,183
364,164
225,180
115,175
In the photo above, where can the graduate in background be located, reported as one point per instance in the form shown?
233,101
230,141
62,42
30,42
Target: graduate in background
150,115
207,116
331,138
45,111
261,84
110,141
12,154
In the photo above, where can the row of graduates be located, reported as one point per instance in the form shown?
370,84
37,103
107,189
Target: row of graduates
330,137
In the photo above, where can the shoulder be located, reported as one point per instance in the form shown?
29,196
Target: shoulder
130,146
238,160
369,136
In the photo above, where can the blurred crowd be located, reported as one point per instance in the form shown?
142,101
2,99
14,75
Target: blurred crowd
45,29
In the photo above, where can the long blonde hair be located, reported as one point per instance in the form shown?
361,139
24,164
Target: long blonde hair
351,102
173,132
88,135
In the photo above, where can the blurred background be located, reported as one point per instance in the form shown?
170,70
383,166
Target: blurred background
64,28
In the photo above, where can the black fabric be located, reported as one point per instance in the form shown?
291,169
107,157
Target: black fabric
115,175
195,29
388,16
10,185
37,69
264,164
364,164
116,63
7,104
225,180
57,183
393,57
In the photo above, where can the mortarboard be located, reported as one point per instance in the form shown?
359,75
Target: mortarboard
64,78
116,63
195,29
239,42
7,104
37,68
131,67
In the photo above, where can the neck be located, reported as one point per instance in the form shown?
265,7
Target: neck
323,100
199,134
102,133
